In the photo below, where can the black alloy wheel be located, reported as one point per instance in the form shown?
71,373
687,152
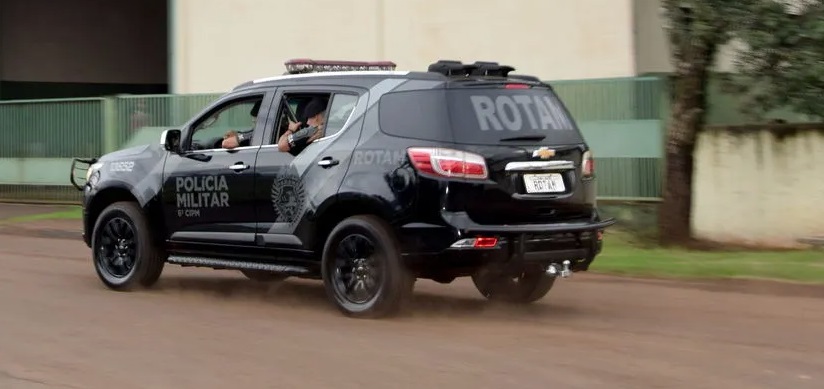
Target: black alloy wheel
358,275
124,251
117,249
362,269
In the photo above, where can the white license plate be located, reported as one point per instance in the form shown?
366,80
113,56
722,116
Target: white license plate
544,183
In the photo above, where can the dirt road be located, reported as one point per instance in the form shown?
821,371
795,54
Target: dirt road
60,328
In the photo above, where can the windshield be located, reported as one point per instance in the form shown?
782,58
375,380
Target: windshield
486,116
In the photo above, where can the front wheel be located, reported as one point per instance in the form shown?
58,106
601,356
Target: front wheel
362,269
528,286
124,252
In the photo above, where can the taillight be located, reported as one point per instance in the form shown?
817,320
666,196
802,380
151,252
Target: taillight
516,86
480,242
588,164
448,163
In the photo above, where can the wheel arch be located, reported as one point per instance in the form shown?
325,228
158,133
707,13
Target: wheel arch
344,206
117,193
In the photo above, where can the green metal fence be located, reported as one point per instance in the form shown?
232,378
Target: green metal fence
51,128
628,164
626,98
38,137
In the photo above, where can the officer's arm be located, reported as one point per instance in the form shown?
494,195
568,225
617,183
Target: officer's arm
283,141
245,136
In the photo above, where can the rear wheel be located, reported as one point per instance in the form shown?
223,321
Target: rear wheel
124,252
263,276
362,269
530,285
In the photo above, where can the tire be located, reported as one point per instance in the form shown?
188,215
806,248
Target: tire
142,261
263,276
530,286
371,242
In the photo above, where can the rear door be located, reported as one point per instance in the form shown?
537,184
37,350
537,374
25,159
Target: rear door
290,189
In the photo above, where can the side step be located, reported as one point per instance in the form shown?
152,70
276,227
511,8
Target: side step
235,265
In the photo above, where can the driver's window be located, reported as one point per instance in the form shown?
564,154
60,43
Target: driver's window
238,115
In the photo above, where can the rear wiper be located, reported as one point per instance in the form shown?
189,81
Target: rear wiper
525,137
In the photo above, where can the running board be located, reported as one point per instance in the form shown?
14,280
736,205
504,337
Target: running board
221,264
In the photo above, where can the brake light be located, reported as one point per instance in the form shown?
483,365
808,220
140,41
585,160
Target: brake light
516,86
448,163
588,164
480,242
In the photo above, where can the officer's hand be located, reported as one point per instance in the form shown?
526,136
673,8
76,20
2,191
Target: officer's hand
230,140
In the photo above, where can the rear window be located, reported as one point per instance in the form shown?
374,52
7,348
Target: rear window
478,115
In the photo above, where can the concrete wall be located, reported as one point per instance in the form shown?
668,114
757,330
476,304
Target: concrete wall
218,44
759,185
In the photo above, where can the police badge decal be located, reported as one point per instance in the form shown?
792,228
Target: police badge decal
288,198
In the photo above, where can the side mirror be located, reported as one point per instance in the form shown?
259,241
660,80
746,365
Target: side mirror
170,139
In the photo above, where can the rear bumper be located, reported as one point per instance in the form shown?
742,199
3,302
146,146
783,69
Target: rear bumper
461,221
543,244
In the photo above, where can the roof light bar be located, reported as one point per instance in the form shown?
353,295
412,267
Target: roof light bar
297,66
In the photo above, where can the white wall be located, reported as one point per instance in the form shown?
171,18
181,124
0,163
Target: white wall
84,41
218,44
759,186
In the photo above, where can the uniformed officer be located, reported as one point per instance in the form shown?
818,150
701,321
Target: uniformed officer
234,139
294,140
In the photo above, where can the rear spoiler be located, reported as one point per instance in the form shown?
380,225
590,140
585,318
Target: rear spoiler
85,164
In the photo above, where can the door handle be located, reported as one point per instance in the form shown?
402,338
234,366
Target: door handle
328,162
239,167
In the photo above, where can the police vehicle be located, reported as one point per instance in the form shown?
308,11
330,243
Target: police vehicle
362,176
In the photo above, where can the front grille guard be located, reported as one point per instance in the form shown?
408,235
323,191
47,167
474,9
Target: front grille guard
82,164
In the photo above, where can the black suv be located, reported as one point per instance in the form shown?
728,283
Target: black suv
362,176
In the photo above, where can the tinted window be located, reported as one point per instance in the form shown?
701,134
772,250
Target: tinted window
478,115
420,114
488,115
237,115
340,109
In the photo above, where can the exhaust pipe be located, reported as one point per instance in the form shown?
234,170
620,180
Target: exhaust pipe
563,271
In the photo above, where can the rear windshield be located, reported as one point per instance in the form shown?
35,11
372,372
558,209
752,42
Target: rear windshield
478,116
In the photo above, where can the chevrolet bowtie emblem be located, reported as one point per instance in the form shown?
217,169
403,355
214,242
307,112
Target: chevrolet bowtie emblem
543,153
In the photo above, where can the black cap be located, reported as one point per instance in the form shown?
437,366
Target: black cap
316,105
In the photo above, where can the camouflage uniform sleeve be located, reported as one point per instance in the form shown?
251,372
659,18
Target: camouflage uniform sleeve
245,136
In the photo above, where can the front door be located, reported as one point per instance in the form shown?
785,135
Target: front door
207,189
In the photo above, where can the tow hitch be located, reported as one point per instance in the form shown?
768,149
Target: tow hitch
562,271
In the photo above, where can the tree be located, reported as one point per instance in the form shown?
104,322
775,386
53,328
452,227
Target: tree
783,63
696,30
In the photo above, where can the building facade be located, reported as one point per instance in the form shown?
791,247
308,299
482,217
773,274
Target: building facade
78,48
217,44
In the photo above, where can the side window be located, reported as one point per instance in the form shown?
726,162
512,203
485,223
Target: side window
239,115
339,112
296,103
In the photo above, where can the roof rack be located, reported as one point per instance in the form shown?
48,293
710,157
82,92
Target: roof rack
303,65
479,68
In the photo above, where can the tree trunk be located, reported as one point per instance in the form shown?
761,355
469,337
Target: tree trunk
686,120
